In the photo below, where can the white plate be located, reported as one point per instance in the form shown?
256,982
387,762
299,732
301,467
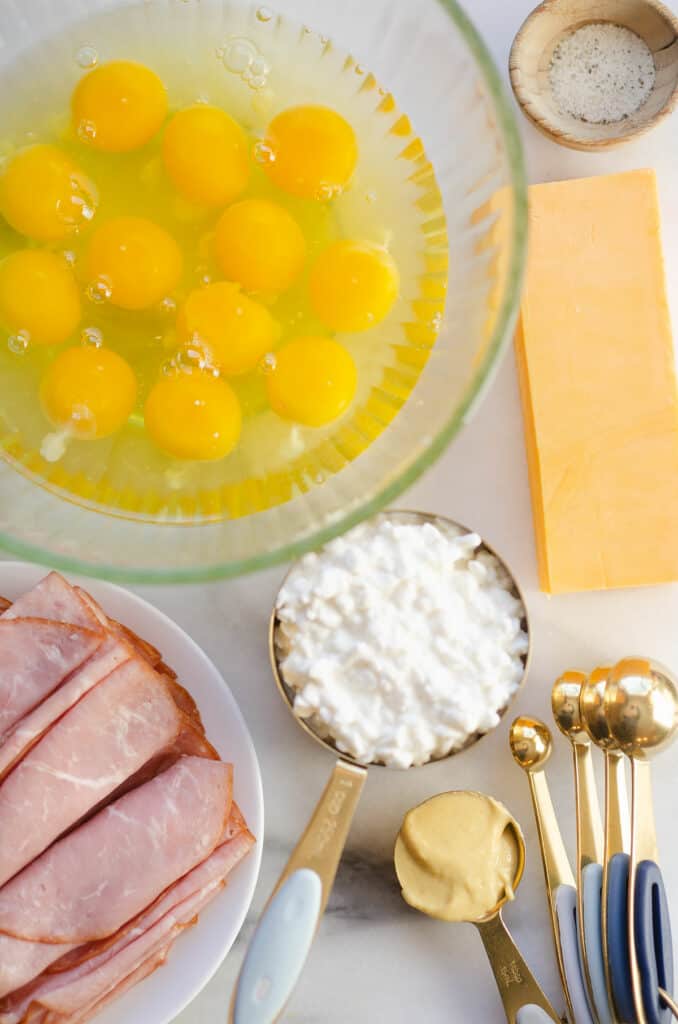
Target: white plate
200,951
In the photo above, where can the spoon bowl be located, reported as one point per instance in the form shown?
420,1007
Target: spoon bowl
565,704
530,742
592,709
523,999
641,706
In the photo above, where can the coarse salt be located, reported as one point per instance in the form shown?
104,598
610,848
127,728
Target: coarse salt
401,640
601,73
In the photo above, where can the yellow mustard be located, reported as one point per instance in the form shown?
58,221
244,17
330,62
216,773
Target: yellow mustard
457,856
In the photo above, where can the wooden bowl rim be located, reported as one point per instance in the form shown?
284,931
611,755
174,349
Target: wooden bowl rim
568,138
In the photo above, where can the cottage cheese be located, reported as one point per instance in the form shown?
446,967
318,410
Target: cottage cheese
401,640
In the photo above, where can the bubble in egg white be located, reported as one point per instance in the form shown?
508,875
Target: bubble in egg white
268,363
92,336
238,55
86,130
18,343
99,290
87,57
263,153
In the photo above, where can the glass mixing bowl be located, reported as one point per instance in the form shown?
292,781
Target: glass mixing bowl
429,56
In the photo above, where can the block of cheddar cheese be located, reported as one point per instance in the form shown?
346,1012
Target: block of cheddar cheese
597,375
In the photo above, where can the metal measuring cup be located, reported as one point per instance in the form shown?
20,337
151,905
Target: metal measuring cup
282,940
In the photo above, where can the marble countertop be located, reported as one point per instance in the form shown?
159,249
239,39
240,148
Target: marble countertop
375,959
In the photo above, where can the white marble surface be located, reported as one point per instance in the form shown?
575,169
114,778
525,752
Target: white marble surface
374,959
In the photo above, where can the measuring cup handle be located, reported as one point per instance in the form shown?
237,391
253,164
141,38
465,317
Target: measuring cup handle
278,950
654,945
518,988
282,940
566,914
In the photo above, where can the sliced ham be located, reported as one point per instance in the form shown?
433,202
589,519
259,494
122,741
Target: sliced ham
75,990
95,879
120,725
142,972
26,733
53,598
36,655
229,853
20,962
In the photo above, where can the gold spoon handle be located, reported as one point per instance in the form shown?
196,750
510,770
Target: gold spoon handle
616,805
589,828
643,847
518,988
671,1003
557,870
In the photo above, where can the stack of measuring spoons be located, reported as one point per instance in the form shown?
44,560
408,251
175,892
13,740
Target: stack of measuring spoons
610,919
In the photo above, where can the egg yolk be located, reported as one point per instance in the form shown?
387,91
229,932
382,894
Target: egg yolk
314,381
39,295
44,195
353,285
259,245
118,106
133,262
310,152
231,330
193,415
88,391
205,155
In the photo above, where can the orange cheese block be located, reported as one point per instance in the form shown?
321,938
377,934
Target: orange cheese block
597,377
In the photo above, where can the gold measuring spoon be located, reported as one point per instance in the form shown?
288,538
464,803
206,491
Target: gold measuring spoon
460,857
282,940
611,1005
641,707
531,743
565,706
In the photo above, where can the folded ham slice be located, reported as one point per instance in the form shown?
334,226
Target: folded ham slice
74,992
89,883
36,655
146,969
25,734
119,726
53,598
226,856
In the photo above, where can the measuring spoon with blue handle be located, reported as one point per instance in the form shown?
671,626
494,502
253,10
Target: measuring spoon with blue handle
565,705
641,706
530,741
610,953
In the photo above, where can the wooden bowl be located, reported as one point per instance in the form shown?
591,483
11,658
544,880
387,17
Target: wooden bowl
532,52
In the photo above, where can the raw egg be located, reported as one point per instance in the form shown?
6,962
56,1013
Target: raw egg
39,296
118,106
260,245
88,391
310,151
314,381
353,285
193,415
132,262
205,155
44,195
231,330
